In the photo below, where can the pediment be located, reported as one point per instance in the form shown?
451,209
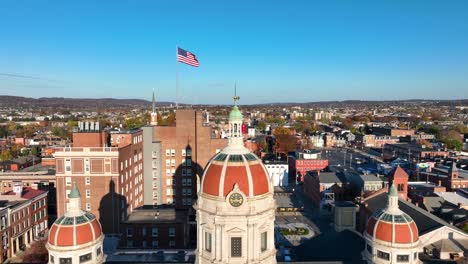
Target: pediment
235,230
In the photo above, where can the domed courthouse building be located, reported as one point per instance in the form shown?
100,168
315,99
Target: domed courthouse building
76,237
235,206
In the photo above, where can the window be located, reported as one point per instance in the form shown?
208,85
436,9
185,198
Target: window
415,255
168,172
99,251
383,255
155,194
88,193
173,152
188,152
129,243
236,247
155,154
51,259
172,162
144,244
88,181
143,231
65,260
184,152
68,181
172,231
168,152
369,248
208,241
264,242
88,207
168,162
172,243
85,258
129,231
402,258
155,243
154,232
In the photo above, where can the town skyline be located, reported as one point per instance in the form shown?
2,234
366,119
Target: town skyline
325,52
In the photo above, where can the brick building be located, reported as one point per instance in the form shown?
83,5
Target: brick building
392,132
411,151
109,177
307,160
149,227
184,150
449,177
23,219
323,187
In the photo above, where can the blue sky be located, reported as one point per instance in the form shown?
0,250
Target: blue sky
277,51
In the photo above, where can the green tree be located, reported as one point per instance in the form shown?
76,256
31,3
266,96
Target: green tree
36,150
261,126
6,155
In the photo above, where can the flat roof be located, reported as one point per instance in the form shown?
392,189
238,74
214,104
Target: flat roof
157,215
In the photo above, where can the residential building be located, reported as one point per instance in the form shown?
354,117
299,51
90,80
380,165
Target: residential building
110,177
23,219
185,149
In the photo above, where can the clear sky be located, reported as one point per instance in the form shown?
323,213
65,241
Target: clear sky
277,51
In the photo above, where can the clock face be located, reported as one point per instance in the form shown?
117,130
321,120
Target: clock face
236,199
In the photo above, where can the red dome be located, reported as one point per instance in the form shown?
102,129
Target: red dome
224,171
392,228
74,230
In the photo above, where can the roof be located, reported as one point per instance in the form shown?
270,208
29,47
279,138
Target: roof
156,215
27,193
425,221
453,198
235,114
74,193
433,203
370,178
447,245
329,177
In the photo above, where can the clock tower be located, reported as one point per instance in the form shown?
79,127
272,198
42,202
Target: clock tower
235,206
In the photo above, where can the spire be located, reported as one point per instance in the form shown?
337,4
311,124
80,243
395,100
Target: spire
236,119
74,201
392,198
74,193
154,103
154,115
453,170
236,98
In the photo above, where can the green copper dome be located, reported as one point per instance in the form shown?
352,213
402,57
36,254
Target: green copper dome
393,191
74,192
235,114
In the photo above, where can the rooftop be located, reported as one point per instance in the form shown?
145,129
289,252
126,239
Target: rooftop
453,198
425,221
148,214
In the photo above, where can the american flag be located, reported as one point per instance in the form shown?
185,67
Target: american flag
187,57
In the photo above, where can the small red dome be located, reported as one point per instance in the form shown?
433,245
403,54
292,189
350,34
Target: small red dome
225,170
74,230
392,228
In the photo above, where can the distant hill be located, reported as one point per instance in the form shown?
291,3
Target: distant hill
75,103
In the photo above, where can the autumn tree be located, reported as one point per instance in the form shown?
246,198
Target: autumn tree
37,253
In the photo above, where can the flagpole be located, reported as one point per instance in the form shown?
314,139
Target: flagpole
177,79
